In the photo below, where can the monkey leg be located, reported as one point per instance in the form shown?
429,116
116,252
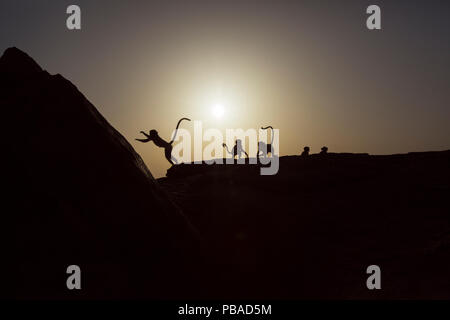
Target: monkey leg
168,154
174,159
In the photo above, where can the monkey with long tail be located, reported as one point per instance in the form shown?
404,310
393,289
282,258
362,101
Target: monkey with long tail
158,141
264,148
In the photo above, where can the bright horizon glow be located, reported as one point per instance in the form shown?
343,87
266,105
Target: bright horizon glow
299,66
218,110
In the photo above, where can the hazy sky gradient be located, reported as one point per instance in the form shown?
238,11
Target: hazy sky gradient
309,68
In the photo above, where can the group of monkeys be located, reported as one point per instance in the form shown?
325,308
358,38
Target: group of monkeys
263,148
305,152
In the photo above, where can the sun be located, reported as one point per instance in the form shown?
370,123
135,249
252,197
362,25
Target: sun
218,110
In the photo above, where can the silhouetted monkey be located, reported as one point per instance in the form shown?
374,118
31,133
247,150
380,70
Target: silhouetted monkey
237,149
158,141
324,151
265,148
305,152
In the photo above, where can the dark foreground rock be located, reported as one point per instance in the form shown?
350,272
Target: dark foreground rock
311,231
75,192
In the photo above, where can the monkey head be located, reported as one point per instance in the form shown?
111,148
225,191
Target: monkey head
153,134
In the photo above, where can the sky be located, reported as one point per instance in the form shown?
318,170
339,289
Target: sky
311,69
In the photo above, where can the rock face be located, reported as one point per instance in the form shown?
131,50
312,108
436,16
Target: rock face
75,192
311,231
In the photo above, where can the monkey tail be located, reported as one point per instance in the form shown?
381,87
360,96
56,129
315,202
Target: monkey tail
176,129
271,142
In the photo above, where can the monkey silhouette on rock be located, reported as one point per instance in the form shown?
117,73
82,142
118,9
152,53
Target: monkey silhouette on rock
158,141
265,148
305,152
237,149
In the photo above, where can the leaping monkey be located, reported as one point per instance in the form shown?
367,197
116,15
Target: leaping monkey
158,141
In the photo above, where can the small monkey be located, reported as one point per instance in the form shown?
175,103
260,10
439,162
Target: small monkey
264,148
305,152
237,149
158,141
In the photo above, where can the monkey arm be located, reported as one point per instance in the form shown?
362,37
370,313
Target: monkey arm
226,147
144,140
145,134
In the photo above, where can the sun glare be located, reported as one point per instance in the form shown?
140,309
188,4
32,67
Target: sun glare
218,111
